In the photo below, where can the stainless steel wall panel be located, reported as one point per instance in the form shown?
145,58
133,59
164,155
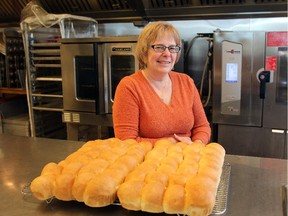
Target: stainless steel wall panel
252,61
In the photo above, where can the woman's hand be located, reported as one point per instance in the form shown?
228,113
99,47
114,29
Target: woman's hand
183,139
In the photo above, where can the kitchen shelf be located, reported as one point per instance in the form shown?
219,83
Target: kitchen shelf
47,95
48,65
48,44
49,107
47,58
59,79
45,81
46,52
12,91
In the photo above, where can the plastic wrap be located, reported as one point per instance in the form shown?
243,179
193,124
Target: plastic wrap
71,26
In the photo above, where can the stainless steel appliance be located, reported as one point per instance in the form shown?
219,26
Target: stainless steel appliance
91,71
250,92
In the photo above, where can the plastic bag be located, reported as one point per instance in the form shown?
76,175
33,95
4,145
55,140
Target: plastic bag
71,26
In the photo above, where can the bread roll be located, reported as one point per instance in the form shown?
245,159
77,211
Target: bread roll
116,143
72,168
119,150
212,162
177,156
166,169
157,155
165,143
157,176
147,146
129,161
187,169
217,148
108,156
181,144
100,191
72,157
95,166
51,168
62,189
136,174
170,161
118,173
93,154
91,145
193,149
42,186
174,148
129,194
211,173
179,179
148,166
131,141
152,197
200,194
137,154
174,199
80,183
62,164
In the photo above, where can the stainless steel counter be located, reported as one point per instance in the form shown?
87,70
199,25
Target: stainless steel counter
255,183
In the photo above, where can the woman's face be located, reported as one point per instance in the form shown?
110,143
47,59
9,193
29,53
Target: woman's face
161,62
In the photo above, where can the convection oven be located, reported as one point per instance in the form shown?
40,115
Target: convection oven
91,71
250,92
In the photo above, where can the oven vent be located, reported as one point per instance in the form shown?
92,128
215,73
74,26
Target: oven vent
139,10
12,8
238,2
85,5
155,4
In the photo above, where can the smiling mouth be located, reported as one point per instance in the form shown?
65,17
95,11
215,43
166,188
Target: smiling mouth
164,62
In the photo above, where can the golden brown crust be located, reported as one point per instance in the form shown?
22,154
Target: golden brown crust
171,178
129,194
51,168
174,199
80,184
42,186
63,186
100,191
152,197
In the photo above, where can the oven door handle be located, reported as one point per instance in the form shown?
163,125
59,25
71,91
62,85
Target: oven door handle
97,97
97,85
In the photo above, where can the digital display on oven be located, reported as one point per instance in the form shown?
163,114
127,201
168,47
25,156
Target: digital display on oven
231,72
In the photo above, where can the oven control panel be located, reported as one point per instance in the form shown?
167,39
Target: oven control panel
231,78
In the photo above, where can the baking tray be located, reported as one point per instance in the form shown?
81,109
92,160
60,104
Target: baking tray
222,192
221,196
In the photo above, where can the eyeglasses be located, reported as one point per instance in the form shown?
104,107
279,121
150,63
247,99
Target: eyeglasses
159,48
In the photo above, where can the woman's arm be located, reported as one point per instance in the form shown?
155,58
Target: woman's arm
201,130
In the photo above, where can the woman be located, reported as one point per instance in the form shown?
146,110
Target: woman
156,102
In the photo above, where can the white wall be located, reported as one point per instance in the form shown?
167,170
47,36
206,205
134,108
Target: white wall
190,28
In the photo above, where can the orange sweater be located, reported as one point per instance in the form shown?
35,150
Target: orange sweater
139,113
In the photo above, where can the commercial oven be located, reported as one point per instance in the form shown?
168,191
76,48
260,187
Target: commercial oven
250,92
91,71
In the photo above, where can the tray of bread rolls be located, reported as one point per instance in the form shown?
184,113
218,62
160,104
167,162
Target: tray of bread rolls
170,178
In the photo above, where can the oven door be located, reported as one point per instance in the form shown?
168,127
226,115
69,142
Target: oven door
119,61
275,103
80,77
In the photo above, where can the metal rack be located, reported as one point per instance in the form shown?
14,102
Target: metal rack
44,81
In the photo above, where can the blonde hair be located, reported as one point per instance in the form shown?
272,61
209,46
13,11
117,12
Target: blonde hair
149,34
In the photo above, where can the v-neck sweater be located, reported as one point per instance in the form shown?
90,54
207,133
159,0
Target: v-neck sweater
139,113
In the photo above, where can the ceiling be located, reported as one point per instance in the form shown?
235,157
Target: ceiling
147,10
